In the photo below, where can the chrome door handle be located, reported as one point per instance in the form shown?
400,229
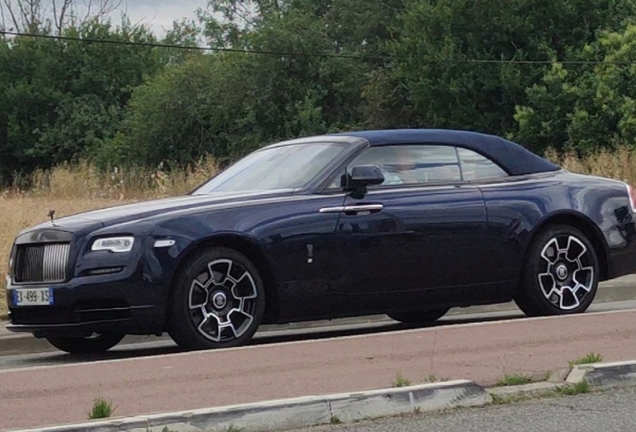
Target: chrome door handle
339,209
353,208
364,207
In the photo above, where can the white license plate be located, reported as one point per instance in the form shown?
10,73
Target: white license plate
33,297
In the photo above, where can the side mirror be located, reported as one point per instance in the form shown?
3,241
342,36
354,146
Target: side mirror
365,175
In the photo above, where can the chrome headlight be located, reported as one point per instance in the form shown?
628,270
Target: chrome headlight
114,244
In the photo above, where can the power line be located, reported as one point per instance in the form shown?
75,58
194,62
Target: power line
184,47
299,54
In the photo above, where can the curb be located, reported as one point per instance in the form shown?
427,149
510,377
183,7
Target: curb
298,413
309,411
604,374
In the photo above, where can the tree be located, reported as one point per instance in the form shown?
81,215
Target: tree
63,99
585,107
438,70
228,104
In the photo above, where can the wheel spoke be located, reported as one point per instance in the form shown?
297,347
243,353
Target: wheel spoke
245,288
220,270
575,249
547,284
584,278
550,252
198,295
210,327
240,321
569,299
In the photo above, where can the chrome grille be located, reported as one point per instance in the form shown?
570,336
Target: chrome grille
41,263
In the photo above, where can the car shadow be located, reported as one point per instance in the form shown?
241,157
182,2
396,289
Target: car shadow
167,347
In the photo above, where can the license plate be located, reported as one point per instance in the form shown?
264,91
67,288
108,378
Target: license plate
33,297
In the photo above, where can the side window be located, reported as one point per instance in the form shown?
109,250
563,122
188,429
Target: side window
477,167
413,164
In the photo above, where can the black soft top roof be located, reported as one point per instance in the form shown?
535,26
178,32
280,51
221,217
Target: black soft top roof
511,156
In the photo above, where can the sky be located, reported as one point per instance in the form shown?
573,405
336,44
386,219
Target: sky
158,14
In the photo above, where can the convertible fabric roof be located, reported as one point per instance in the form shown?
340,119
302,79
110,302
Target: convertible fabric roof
514,158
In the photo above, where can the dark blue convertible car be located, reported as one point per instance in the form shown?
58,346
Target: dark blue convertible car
408,223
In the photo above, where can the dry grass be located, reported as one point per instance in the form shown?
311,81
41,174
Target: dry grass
619,164
71,190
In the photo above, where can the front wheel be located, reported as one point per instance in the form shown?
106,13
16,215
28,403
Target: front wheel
561,273
89,345
218,301
422,317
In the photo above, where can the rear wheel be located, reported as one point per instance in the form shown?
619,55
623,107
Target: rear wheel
89,345
561,273
420,317
218,301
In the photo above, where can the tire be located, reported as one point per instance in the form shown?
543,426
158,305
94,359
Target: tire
421,317
89,345
546,289
233,300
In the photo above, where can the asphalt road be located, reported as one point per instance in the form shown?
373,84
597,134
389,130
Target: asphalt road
612,295
379,325
483,352
611,411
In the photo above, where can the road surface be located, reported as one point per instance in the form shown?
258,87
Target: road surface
484,352
619,293
608,411
338,328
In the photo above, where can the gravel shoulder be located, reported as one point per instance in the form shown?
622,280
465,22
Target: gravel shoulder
609,410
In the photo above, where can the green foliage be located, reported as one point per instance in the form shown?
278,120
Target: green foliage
514,380
585,109
228,104
405,64
101,408
587,359
400,381
61,100
439,40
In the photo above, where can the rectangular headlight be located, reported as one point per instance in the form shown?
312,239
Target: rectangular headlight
114,244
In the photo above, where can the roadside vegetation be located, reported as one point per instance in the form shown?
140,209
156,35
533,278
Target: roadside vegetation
515,380
101,409
587,359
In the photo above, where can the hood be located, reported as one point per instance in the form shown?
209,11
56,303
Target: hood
130,212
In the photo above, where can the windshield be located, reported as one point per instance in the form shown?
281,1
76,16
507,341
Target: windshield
285,167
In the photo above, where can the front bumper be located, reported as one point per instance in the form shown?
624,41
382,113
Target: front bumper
119,303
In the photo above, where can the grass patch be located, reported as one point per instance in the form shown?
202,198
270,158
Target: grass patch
432,378
335,420
588,359
400,381
101,409
578,388
566,390
514,380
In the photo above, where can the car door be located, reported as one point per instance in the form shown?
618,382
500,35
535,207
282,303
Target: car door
415,239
